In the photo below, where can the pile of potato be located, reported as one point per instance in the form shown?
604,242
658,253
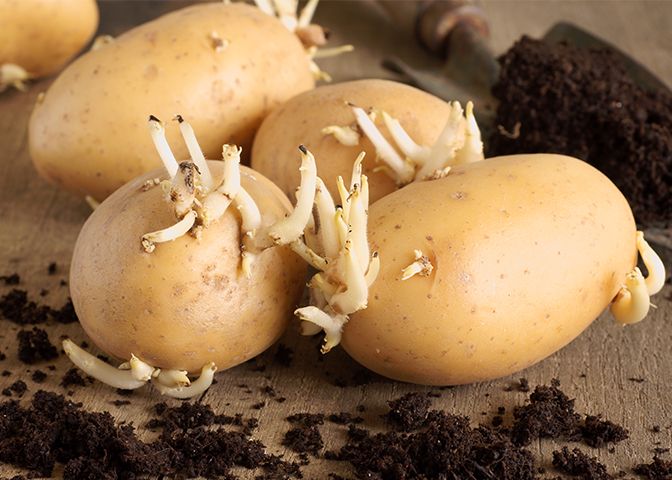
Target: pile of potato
473,269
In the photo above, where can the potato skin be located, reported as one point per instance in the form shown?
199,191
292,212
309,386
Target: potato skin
187,303
88,135
527,251
300,120
43,35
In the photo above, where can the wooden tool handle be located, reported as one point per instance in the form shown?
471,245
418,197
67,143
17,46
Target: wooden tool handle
432,21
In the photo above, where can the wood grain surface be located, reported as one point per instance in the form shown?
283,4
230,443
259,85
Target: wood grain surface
624,374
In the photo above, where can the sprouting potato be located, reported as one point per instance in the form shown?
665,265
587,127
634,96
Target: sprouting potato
197,266
330,121
225,65
174,273
38,37
495,266
485,267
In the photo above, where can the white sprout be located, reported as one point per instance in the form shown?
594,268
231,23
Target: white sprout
158,132
353,294
374,268
310,256
182,190
308,328
344,195
13,75
403,170
286,231
341,225
93,366
92,202
326,230
472,149
656,277
196,153
100,41
251,223
290,228
167,234
357,218
347,270
215,203
311,36
196,387
347,135
218,43
171,378
315,52
307,13
356,178
249,212
318,73
459,142
200,207
331,324
632,301
135,373
285,10
446,146
419,153
140,370
421,266
265,6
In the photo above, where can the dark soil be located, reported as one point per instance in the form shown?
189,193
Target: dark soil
90,445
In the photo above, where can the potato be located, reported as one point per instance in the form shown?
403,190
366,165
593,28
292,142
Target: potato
226,66
41,36
186,303
300,122
519,255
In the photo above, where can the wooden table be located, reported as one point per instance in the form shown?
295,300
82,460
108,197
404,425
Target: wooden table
623,374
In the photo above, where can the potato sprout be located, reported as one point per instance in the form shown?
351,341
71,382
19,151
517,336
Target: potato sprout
135,373
195,207
341,252
312,36
459,143
421,266
13,75
632,302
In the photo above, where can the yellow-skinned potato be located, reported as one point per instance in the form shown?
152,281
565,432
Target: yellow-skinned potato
225,66
38,37
184,305
301,120
507,260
